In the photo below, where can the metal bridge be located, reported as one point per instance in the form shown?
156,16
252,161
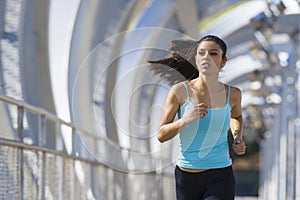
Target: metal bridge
79,108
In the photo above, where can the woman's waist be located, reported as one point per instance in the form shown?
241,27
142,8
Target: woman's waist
191,170
201,165
203,160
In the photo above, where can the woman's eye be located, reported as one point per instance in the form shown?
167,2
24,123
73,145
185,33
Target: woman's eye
202,53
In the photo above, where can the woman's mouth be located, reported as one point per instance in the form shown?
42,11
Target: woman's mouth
205,65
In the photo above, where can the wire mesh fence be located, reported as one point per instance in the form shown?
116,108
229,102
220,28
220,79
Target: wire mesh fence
39,171
31,172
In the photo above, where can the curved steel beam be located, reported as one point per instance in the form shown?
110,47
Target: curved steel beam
35,61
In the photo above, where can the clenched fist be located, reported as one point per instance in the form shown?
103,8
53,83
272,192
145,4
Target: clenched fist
239,146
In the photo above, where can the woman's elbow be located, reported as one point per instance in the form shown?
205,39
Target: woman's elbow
160,135
160,138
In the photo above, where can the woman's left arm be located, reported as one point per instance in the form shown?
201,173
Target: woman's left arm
236,121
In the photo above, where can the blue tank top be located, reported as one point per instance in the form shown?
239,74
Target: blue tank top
203,143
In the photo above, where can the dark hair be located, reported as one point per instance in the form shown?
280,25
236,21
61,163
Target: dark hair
181,65
217,40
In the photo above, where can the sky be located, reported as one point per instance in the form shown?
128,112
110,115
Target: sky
60,34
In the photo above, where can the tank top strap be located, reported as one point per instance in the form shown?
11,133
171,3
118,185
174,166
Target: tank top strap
228,95
186,90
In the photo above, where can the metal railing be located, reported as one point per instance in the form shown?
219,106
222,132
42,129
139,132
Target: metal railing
43,116
37,172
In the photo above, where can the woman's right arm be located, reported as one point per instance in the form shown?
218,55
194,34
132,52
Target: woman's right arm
169,129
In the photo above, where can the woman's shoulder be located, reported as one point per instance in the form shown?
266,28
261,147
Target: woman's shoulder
179,90
234,90
235,93
178,87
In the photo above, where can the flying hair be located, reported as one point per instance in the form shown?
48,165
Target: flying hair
181,65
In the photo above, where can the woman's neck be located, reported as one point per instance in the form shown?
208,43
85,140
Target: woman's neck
203,83
210,91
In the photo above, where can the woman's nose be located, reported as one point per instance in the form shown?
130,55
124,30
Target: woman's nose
206,54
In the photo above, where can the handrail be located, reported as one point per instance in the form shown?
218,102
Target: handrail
13,143
50,116
37,110
46,114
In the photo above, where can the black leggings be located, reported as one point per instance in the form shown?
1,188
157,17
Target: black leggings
213,184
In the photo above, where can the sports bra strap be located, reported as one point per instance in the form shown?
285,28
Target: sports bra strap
228,95
186,90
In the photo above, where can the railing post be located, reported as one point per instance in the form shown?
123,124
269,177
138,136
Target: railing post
42,130
73,142
20,127
43,181
58,137
21,174
20,132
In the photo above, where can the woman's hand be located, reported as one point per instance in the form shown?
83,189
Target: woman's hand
239,146
199,111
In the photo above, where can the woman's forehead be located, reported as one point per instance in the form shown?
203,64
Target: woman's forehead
209,45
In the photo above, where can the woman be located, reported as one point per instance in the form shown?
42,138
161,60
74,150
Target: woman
206,109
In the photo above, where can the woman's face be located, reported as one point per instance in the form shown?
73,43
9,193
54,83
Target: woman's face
209,57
